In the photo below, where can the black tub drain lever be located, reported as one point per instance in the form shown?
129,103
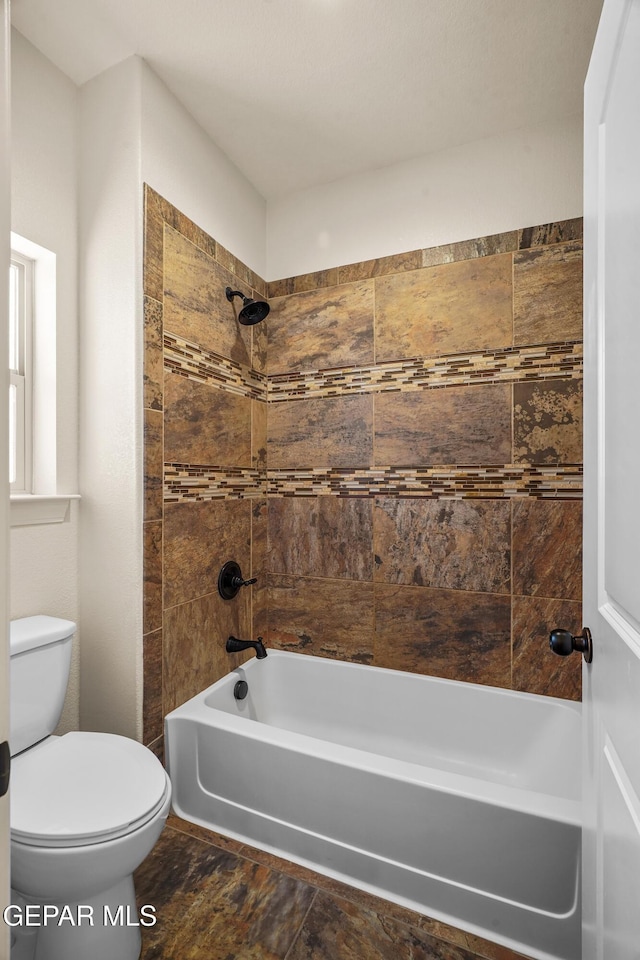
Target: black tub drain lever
241,689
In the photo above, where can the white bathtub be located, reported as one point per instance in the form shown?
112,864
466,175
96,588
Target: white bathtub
453,799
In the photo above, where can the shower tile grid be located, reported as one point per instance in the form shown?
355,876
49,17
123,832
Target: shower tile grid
198,538
531,363
218,899
205,425
195,306
454,544
322,329
446,309
153,459
153,354
547,293
547,421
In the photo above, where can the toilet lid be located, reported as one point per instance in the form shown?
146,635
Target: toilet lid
84,788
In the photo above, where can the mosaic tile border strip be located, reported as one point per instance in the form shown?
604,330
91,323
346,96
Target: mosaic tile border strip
512,364
192,482
456,482
511,241
193,362
184,482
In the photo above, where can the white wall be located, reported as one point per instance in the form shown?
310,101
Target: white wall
43,559
182,163
525,177
132,130
111,401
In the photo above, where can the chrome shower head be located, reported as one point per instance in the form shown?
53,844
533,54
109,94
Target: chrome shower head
253,311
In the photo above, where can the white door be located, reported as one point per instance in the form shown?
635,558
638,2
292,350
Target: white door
611,844
5,228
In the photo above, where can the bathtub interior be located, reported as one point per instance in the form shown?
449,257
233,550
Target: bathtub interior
514,739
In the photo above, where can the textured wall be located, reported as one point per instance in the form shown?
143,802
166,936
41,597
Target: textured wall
420,418
424,453
205,425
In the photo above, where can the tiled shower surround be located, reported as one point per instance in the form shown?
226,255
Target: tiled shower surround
395,453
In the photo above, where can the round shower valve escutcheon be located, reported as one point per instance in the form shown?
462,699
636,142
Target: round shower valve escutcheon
230,580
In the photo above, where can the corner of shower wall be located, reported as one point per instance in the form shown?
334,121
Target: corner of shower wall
424,446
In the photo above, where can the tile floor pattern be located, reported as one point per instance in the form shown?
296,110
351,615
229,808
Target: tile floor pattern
217,899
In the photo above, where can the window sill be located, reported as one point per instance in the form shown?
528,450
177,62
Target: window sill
28,509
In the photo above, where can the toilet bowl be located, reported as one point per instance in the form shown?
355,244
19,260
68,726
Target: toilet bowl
86,809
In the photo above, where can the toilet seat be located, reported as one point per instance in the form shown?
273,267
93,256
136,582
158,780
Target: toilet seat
84,788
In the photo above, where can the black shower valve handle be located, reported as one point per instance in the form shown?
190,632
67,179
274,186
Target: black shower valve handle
230,580
239,582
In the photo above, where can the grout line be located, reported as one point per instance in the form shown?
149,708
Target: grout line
301,927
373,398
513,455
511,593
513,300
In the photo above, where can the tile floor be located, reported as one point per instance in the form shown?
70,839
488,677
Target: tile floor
217,899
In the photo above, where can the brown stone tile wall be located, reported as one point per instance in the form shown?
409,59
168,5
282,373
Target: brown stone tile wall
395,453
459,425
424,453
205,442
452,308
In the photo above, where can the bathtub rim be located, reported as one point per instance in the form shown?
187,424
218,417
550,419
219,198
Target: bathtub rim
573,706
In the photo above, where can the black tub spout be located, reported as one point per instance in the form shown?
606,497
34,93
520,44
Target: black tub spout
235,646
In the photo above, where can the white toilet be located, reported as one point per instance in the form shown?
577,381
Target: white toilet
86,809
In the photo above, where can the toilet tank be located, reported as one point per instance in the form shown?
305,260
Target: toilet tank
40,657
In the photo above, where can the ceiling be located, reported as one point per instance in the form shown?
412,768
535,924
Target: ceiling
303,92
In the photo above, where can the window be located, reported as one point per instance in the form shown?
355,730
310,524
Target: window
21,280
33,388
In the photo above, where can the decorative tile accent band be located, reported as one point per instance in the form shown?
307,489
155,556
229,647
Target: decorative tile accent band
451,482
185,482
192,361
539,362
511,364
188,482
